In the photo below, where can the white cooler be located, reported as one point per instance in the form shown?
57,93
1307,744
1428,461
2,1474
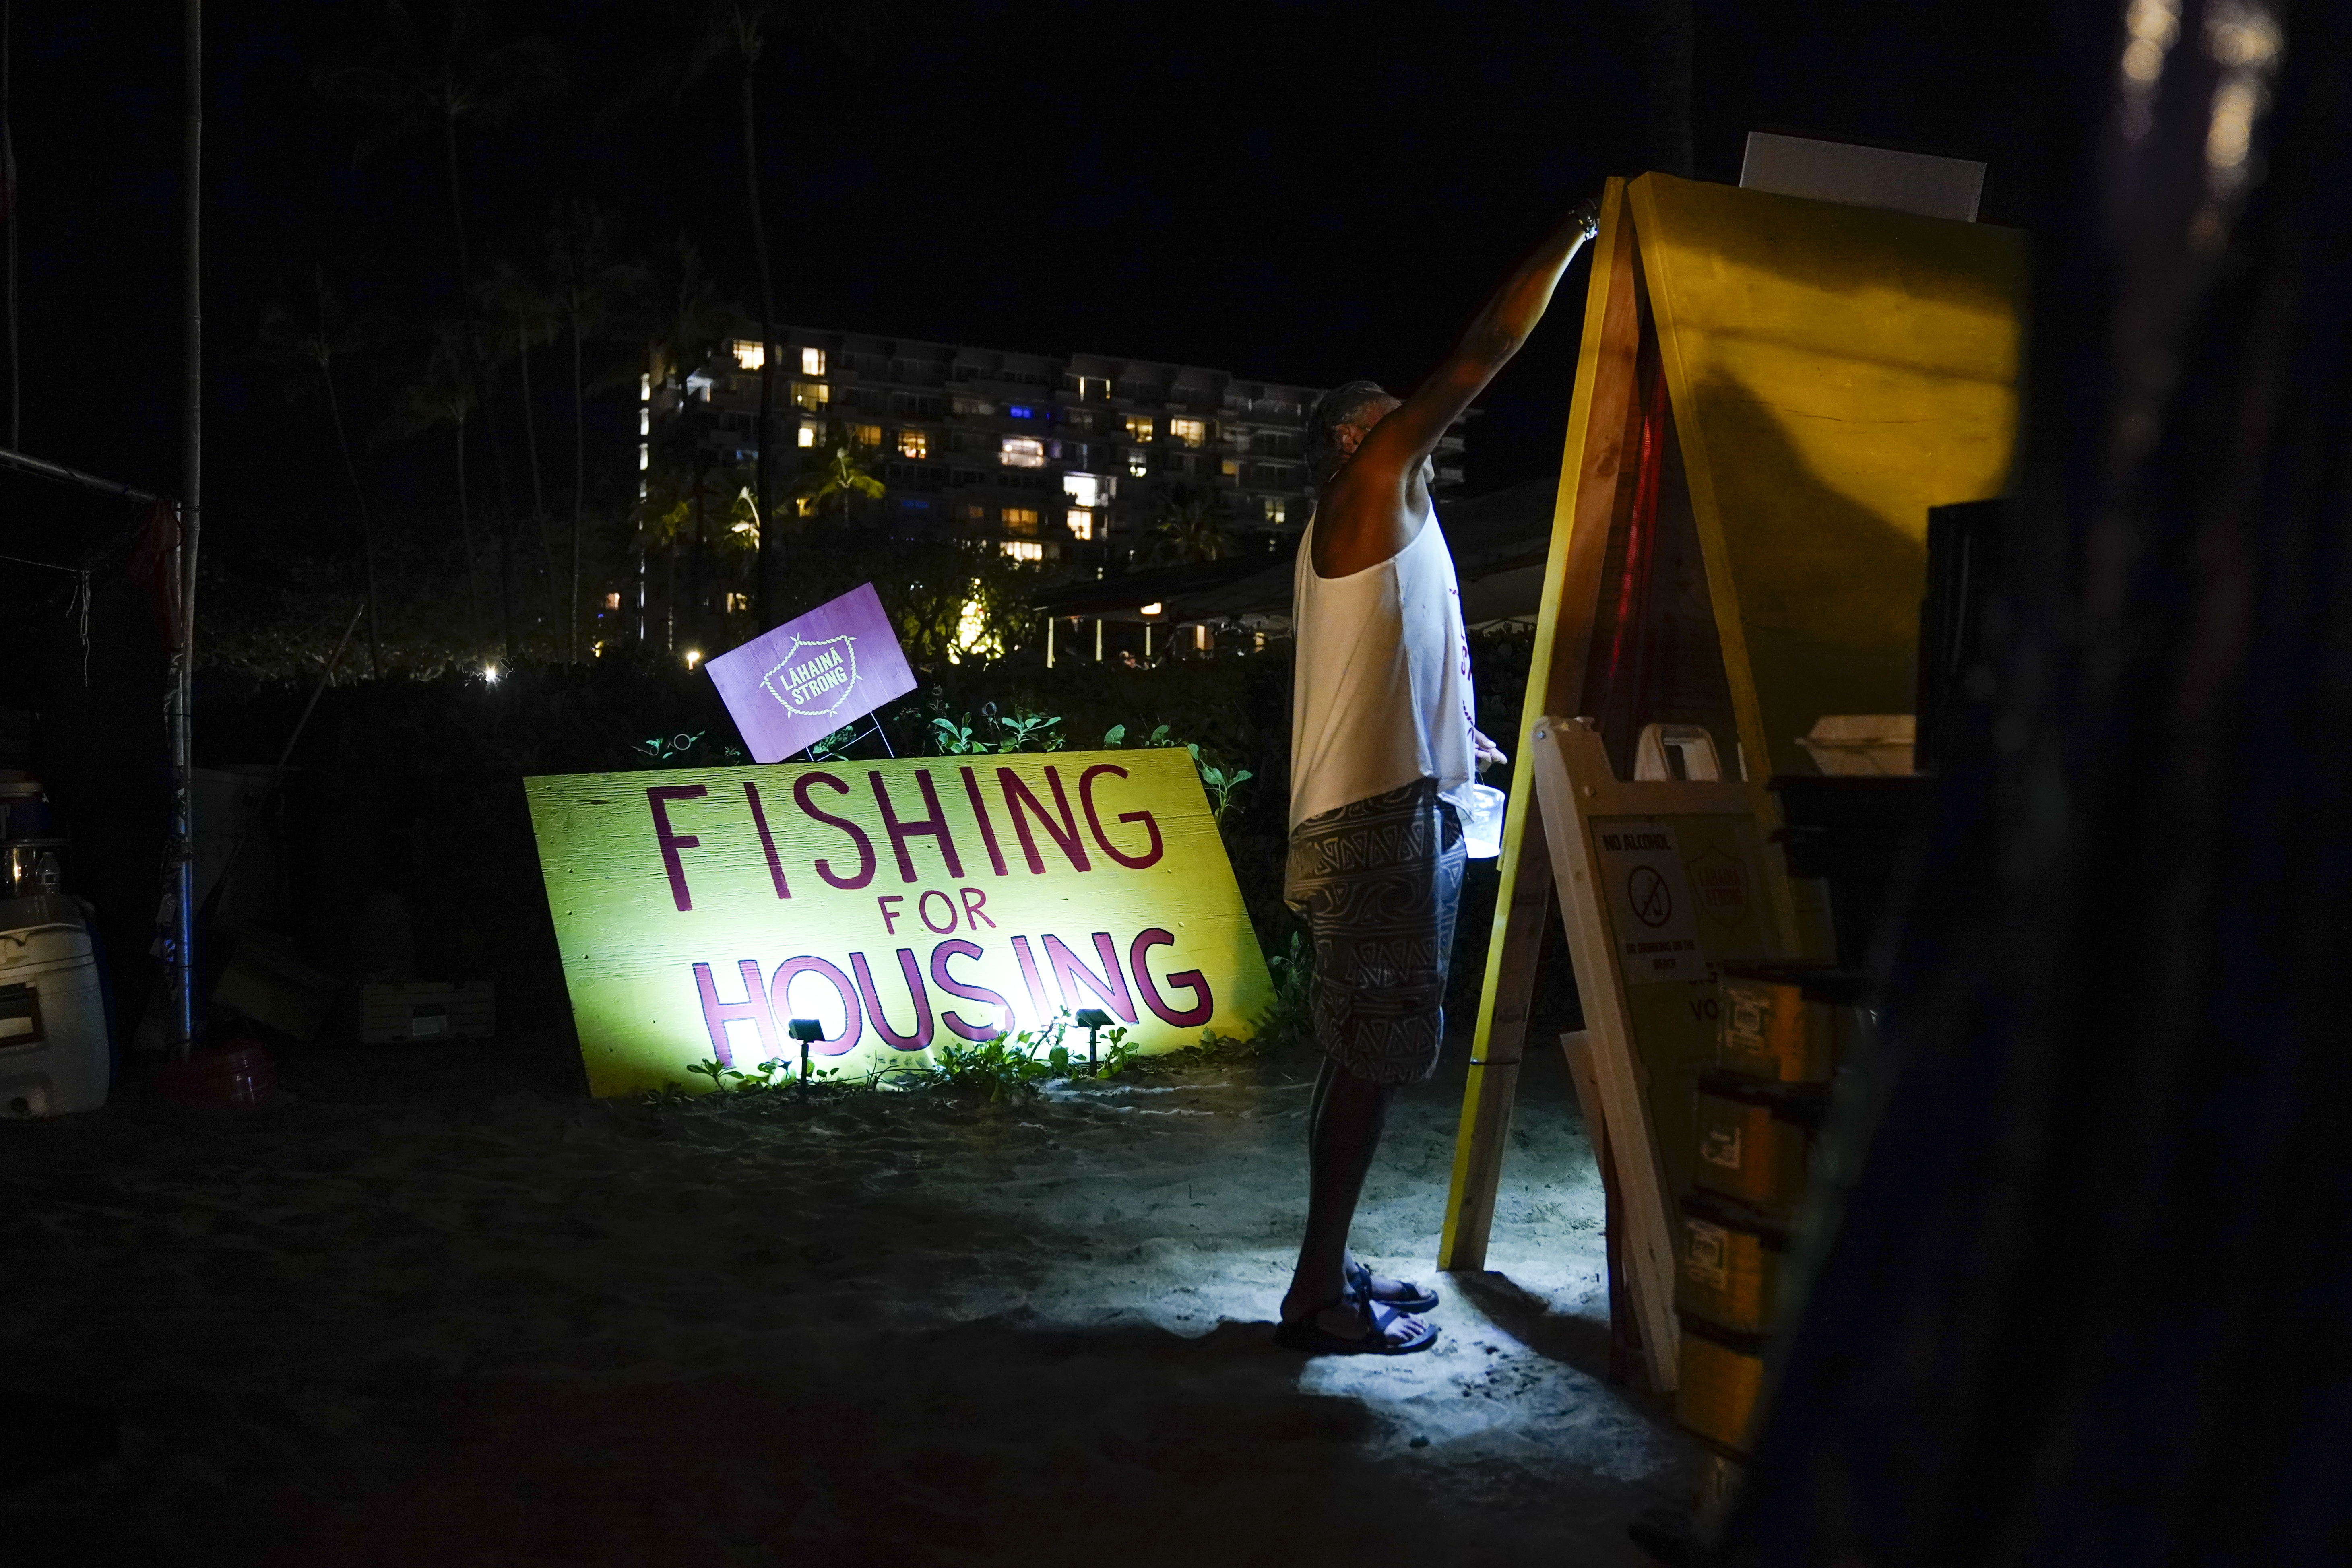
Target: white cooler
53,1048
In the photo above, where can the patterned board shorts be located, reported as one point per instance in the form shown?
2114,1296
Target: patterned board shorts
1379,882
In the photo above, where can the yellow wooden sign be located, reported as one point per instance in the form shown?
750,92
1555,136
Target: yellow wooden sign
898,903
1770,393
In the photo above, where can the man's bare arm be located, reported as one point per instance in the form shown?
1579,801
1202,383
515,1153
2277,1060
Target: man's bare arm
1376,498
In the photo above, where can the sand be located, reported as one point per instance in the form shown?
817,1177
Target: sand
436,1307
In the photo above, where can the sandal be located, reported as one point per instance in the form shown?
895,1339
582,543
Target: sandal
1417,1299
1389,1332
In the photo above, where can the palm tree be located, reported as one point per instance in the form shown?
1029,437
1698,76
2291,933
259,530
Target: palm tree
838,470
1193,525
588,284
527,318
443,396
683,320
316,342
738,32
418,86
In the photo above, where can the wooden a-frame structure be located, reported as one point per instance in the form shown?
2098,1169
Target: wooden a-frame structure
1770,393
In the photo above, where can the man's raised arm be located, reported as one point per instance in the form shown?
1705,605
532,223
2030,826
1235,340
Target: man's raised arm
1399,442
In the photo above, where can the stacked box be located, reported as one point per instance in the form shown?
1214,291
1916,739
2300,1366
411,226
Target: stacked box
1784,1029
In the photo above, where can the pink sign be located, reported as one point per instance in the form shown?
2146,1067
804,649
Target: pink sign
810,676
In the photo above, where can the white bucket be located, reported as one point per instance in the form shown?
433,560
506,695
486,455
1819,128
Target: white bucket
53,1046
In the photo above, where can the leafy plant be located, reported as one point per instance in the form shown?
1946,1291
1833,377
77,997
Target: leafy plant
1018,731
683,748
953,739
1220,782
834,747
1027,732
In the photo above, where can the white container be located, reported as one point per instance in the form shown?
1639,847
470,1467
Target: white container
1482,824
53,1048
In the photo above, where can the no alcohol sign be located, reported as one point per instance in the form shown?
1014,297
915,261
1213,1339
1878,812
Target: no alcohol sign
1650,898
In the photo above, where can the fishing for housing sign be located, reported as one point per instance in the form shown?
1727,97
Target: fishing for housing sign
898,903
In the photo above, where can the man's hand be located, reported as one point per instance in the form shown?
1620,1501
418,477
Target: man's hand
1484,748
1587,213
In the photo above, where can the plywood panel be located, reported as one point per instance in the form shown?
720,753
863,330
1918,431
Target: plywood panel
1835,371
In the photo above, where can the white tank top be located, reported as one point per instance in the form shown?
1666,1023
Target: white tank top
1381,694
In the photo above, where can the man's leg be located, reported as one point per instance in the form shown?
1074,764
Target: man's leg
1344,1123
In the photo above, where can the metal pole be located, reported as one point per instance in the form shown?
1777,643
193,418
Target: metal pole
183,827
12,459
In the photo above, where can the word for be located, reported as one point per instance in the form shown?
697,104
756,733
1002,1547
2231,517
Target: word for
1117,987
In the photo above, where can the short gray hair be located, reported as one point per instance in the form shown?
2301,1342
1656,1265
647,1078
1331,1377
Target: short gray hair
1341,405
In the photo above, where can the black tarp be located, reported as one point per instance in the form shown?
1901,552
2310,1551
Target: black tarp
2090,1298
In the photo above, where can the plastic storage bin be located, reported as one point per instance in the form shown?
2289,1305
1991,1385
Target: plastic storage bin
54,1056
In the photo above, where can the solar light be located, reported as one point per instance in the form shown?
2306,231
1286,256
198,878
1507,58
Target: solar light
1091,1020
804,1030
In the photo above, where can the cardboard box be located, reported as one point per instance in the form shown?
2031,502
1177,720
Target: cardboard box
427,1009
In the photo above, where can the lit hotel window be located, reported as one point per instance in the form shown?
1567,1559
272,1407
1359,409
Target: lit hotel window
1139,427
1024,549
750,355
612,601
1020,519
914,443
1021,411
1022,452
808,436
1191,432
811,394
739,601
811,363
1232,469
1083,489
1277,509
1082,522
865,434
1139,463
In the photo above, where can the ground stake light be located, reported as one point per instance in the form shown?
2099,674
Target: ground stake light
804,1030
1091,1020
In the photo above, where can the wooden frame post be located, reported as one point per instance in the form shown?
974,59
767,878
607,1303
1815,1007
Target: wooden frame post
1600,414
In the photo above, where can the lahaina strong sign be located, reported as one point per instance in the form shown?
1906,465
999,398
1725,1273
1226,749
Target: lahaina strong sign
900,903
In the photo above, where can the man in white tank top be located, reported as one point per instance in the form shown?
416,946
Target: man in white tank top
1382,748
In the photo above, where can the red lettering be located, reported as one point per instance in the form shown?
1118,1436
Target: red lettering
1109,988
987,829
779,1002
766,840
1036,987
1094,821
923,908
960,948
1204,1003
921,1035
975,901
658,797
856,835
716,1015
890,915
933,826
1064,833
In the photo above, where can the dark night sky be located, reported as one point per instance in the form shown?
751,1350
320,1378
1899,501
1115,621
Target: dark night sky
1304,192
